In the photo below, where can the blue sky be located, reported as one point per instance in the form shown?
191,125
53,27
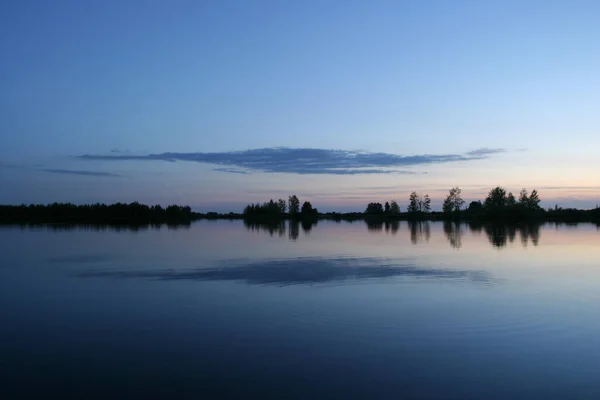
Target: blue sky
219,103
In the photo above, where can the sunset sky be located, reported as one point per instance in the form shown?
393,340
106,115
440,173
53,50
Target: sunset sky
215,104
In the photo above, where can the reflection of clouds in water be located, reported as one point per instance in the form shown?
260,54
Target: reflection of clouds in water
302,271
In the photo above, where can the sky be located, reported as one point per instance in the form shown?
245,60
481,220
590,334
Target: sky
215,104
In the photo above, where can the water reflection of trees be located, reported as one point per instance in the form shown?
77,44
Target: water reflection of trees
475,227
279,228
272,227
307,225
294,229
530,232
105,227
419,231
378,226
454,233
499,235
392,226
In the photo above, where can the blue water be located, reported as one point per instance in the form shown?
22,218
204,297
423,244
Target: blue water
335,310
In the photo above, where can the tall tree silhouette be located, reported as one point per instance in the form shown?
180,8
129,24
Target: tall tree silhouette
414,203
308,211
374,208
394,208
426,204
454,201
293,204
496,199
282,205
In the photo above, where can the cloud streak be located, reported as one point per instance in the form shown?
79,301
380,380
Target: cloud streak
305,161
11,166
485,151
571,188
231,170
83,173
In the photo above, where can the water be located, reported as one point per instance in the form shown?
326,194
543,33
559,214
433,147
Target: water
220,309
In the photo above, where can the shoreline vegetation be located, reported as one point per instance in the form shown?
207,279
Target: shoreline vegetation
498,207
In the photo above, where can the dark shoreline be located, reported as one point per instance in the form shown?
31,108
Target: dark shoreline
139,214
38,215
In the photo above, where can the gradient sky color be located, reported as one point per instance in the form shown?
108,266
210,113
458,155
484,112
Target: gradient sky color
128,84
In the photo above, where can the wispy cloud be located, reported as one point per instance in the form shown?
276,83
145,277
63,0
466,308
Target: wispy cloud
11,166
571,188
118,151
231,170
306,160
84,173
485,151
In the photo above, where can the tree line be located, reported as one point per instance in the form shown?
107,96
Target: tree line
119,213
498,203
280,209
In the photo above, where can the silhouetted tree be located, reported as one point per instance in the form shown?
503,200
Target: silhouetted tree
394,208
475,206
374,208
454,201
293,204
270,209
499,205
387,207
308,211
414,203
523,198
533,203
282,205
510,200
426,204
496,199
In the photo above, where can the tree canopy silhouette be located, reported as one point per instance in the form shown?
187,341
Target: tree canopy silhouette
500,205
308,211
374,208
293,204
394,208
454,201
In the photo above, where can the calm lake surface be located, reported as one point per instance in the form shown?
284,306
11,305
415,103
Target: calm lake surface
223,309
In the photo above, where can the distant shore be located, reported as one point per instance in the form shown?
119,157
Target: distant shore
136,213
